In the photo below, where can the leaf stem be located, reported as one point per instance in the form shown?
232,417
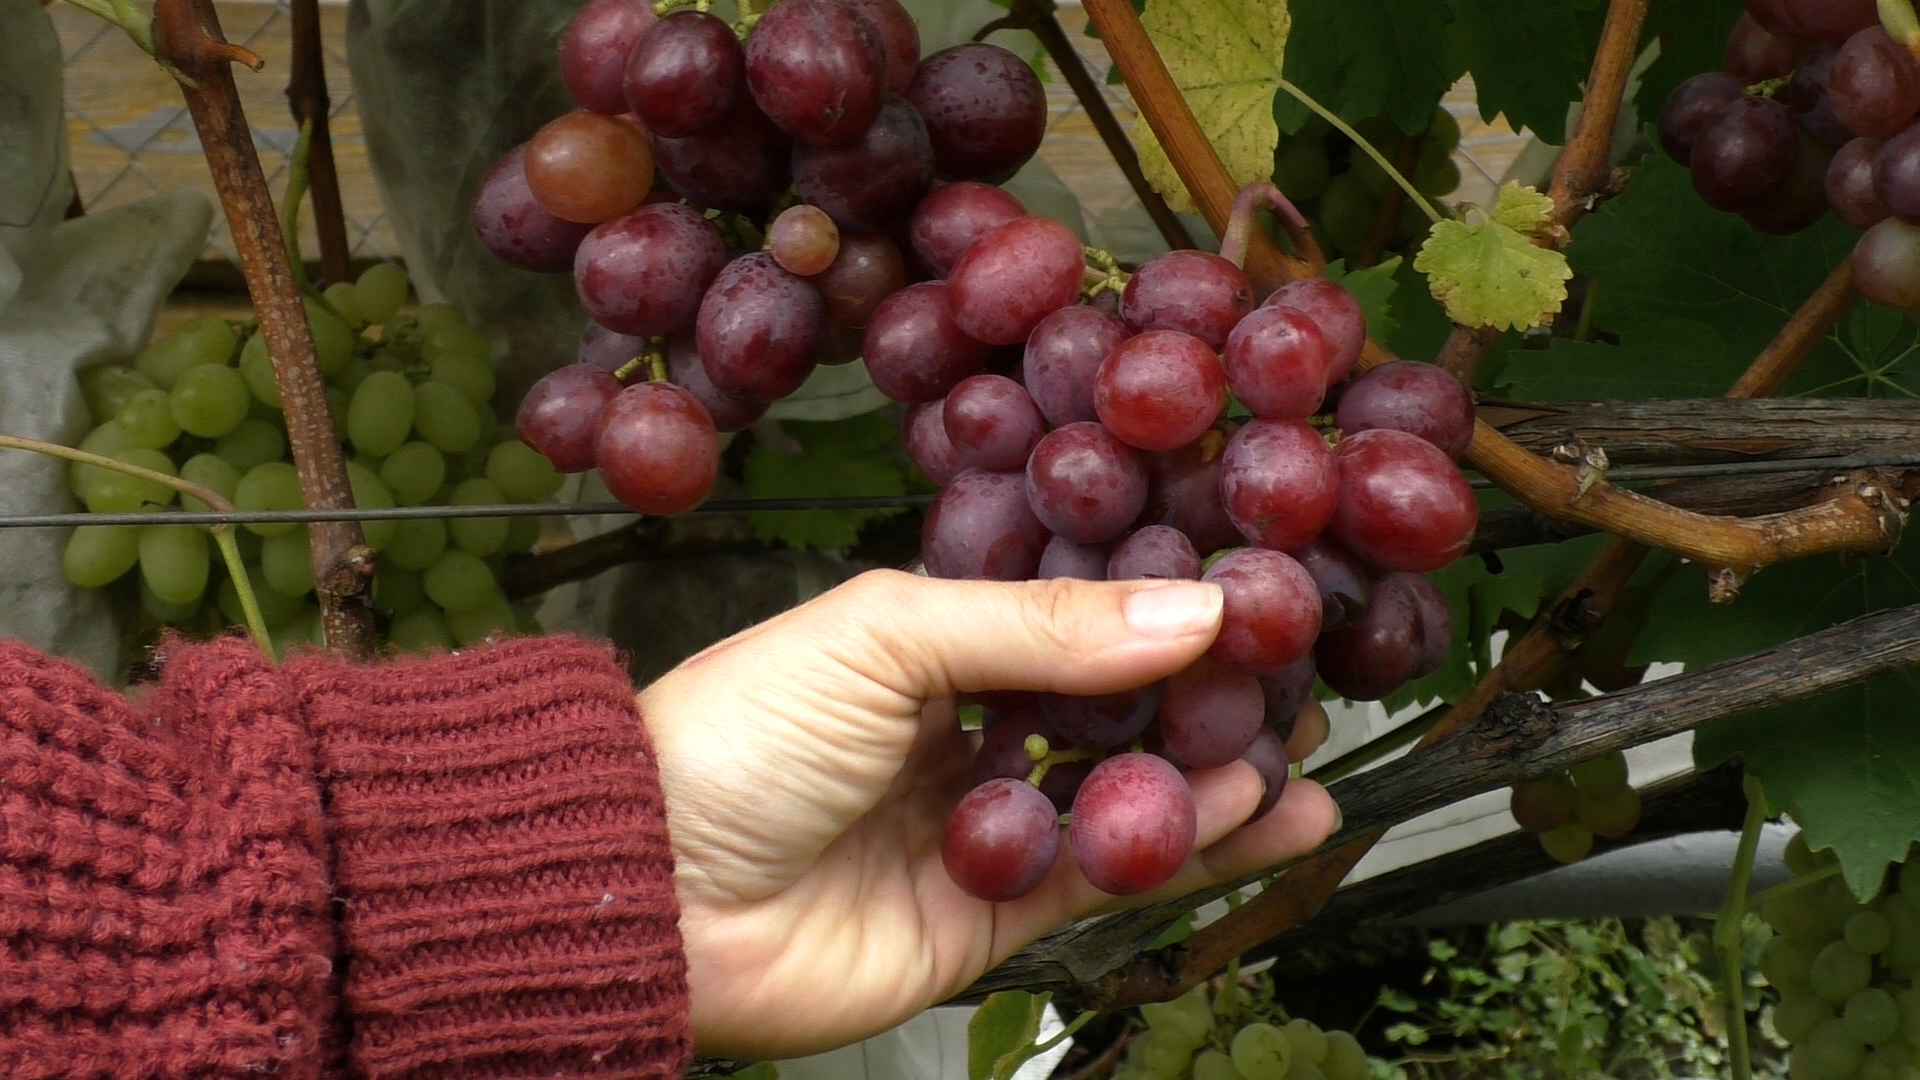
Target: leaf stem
222,534
1360,141
1064,1033
1727,936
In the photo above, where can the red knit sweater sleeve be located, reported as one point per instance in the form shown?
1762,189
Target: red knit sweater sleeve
455,866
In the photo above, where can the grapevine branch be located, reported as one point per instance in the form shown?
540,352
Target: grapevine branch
1521,738
307,95
187,38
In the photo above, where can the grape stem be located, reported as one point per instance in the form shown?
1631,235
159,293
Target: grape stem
222,534
1811,877
188,41
1727,931
1368,148
1104,275
1052,758
1897,17
290,215
1261,194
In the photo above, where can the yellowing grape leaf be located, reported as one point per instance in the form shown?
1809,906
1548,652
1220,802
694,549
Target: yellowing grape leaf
1490,273
1225,56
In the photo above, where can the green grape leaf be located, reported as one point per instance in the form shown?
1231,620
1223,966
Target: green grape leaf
1845,764
855,456
1528,58
1489,273
1002,1034
1373,286
1689,295
1367,58
1224,55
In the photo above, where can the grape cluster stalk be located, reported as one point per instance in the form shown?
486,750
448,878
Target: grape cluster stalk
413,406
1174,427
1815,110
1846,971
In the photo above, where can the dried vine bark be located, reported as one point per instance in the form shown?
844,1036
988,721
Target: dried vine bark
187,37
307,95
1521,738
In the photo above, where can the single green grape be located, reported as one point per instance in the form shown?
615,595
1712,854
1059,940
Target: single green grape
256,367
1309,1042
1838,972
1569,843
481,535
413,473
332,339
1881,1065
1909,875
398,591
1602,775
465,374
1800,1064
337,402
254,442
1444,130
1305,1070
1262,1052
420,630
270,486
1612,814
207,339
380,292
106,440
107,390
209,401
276,609
1868,933
1797,915
173,561
353,375
522,533
110,492
1872,1016
1833,1051
494,615
1909,1002
432,317
1214,1065
1346,213
1367,172
1785,964
286,560
1186,1019
340,296
381,413
209,471
1346,1059
1799,1012
1437,174
148,420
444,417
98,554
458,581
522,473
1159,1053
1903,948
166,611
417,543
370,493
1837,905
1798,856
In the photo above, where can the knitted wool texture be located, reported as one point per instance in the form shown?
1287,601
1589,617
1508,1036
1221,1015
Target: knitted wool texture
455,866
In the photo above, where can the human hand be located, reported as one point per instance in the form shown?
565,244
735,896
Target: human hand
809,764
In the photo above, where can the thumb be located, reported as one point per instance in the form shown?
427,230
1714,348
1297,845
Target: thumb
931,638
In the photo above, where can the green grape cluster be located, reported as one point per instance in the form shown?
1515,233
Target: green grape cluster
1339,186
411,398
1238,1036
1846,972
1569,809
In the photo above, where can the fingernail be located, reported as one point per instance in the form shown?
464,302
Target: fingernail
1174,610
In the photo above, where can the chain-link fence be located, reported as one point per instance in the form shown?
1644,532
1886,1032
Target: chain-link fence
131,136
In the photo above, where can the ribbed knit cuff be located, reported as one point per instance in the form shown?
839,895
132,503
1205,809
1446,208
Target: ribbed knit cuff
501,850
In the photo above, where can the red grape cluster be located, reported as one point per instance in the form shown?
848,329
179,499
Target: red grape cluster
1816,109
1104,455
823,133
